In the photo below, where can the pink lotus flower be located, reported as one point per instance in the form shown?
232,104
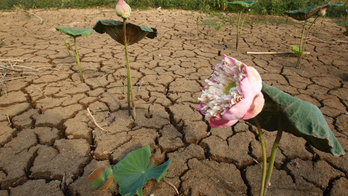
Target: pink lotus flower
123,9
232,93
322,12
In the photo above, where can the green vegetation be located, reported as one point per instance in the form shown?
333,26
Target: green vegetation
271,7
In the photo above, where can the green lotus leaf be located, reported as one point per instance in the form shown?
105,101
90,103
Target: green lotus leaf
101,178
335,4
301,119
296,50
240,5
134,32
305,13
132,172
75,32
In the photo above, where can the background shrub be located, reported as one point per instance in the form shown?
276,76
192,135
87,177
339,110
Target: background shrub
272,7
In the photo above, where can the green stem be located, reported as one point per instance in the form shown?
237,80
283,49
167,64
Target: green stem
321,26
66,45
274,151
111,191
78,59
304,43
240,32
264,156
240,16
300,48
129,77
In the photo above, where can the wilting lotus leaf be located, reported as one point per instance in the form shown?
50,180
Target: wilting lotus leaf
240,5
134,33
305,13
301,119
75,32
335,4
101,178
132,172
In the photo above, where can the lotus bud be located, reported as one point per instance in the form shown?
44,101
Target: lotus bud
322,12
123,9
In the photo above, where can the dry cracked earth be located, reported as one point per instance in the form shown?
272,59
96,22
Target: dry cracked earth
50,145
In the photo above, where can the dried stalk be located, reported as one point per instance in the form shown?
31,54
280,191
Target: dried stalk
11,69
274,52
17,60
41,22
95,122
172,185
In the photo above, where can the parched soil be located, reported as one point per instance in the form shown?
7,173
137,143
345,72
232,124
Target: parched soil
50,145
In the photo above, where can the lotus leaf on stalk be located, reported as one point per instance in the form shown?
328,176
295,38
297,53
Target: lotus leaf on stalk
304,14
125,34
240,6
75,33
134,32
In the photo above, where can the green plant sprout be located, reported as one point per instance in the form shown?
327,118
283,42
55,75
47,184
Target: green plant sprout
284,112
2,41
241,6
304,14
131,173
75,33
67,45
125,34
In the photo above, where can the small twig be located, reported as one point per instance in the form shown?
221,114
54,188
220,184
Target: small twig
34,15
95,122
172,185
140,86
10,69
274,52
8,119
18,60
22,66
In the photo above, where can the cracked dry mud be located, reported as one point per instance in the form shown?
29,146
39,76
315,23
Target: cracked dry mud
52,145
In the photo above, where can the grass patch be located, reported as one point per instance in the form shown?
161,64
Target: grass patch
342,22
263,7
217,21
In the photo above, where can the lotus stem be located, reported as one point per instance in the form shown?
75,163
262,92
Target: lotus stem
129,77
273,153
300,48
66,45
197,25
264,156
321,26
240,32
111,191
304,43
240,16
78,59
